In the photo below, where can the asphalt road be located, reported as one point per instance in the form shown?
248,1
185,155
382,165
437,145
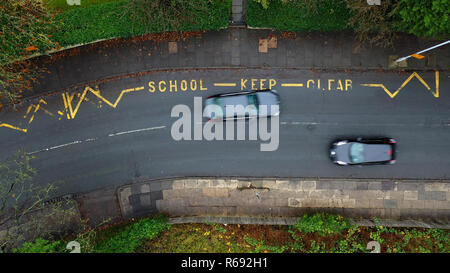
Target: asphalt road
99,144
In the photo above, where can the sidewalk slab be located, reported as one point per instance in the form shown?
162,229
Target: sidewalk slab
233,47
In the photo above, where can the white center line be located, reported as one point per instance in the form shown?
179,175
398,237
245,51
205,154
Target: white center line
94,139
136,131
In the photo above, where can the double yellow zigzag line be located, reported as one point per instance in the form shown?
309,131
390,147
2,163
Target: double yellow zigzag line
392,95
72,112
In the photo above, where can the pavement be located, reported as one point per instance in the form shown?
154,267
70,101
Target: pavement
236,47
105,117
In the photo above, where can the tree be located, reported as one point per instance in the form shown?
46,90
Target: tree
424,18
26,211
25,30
373,24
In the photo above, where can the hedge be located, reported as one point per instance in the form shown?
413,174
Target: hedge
295,16
113,20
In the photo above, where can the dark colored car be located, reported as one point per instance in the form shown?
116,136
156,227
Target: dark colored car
363,151
249,100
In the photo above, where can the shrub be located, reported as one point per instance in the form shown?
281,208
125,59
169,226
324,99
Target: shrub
373,24
41,245
323,224
424,18
131,236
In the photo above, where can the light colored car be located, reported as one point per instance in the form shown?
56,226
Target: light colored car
242,105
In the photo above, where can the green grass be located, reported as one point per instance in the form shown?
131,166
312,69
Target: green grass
113,20
317,233
62,4
323,224
126,239
330,15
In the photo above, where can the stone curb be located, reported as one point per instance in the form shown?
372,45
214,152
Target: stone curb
292,220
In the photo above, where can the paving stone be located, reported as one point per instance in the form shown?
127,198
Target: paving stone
169,194
155,186
203,183
134,200
214,192
390,204
387,185
429,204
263,46
323,185
269,184
162,206
375,186
395,195
362,203
190,183
436,187
156,195
244,184
308,185
376,203
445,205
408,186
236,9
431,60
144,200
406,204
272,42
410,195
432,195
178,184
218,183
166,185
173,47
362,186
144,188
282,184
350,185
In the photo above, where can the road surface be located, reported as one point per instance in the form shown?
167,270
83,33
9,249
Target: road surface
104,135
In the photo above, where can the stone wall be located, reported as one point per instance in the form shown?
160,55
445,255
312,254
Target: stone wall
275,197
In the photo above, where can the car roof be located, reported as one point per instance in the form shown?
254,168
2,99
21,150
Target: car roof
377,152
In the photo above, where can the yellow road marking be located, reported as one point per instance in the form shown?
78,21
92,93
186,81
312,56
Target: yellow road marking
414,74
13,127
292,84
73,112
225,84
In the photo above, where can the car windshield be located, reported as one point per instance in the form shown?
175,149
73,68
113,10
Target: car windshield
253,100
357,152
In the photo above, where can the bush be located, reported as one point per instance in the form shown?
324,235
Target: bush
323,224
424,18
322,15
41,246
131,236
373,24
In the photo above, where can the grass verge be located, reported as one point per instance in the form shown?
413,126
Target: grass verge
63,5
318,233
